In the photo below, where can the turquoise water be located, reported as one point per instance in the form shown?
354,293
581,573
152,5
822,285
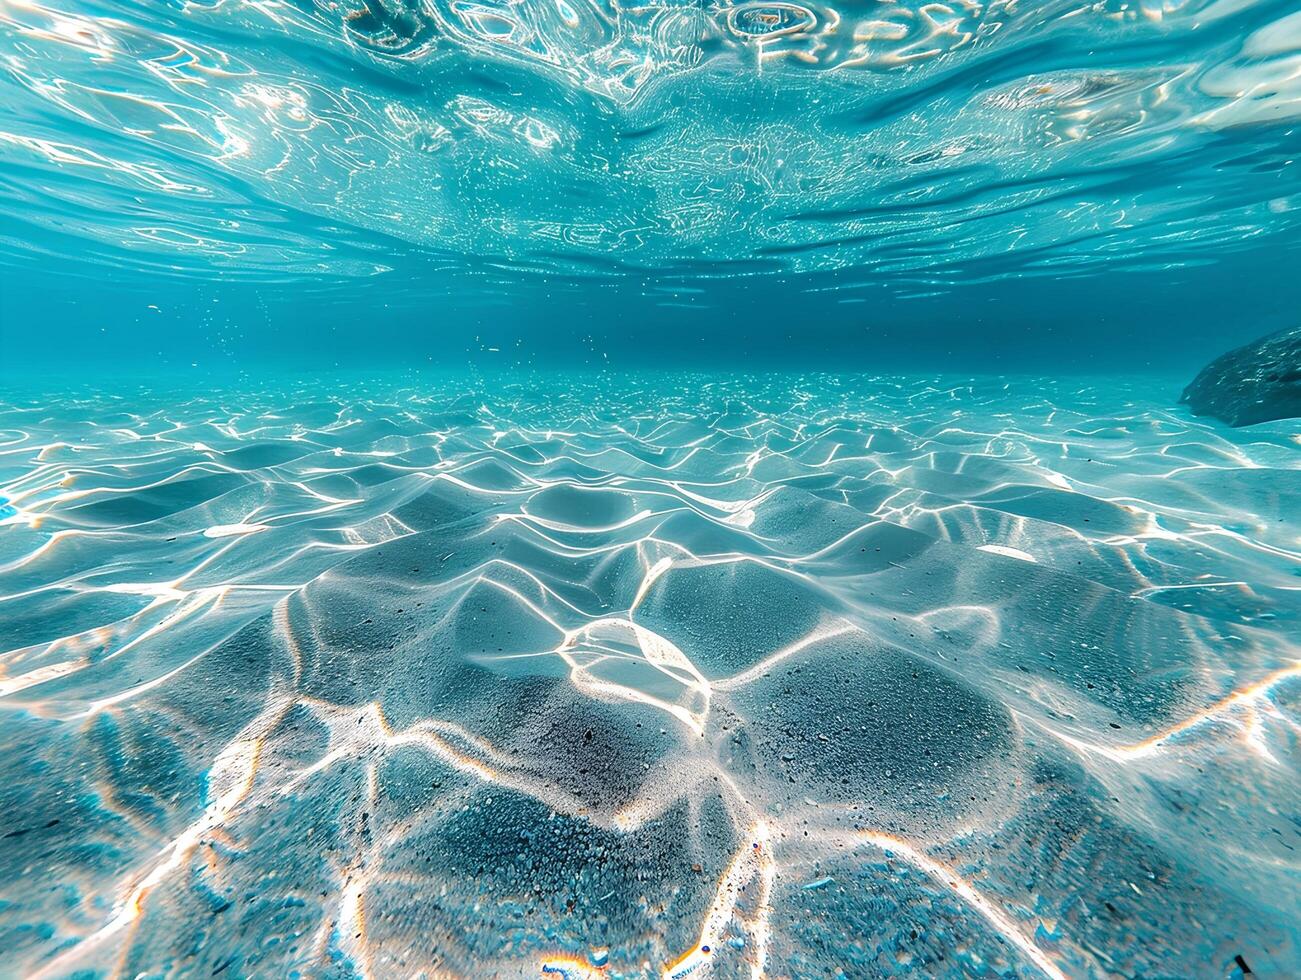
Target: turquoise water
576,182
564,489
834,675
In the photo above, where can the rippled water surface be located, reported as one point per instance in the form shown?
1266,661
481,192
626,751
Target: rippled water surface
823,676
932,141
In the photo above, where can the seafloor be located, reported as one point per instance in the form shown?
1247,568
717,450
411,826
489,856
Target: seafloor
791,676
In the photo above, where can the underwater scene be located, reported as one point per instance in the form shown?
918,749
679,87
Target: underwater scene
685,488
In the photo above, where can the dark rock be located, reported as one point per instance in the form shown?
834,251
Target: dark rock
1256,383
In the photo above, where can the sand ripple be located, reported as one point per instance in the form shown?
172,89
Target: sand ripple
802,677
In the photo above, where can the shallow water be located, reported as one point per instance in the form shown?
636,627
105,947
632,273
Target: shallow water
821,675
514,488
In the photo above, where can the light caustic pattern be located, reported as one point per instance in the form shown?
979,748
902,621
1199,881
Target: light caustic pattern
935,140
826,677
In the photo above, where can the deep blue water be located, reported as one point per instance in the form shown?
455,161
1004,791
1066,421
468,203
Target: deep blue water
571,489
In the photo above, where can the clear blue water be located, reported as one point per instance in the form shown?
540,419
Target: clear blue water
549,488
995,182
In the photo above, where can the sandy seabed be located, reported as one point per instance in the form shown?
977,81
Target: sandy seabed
795,676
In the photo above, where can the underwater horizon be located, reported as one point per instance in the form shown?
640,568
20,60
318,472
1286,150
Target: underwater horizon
585,490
